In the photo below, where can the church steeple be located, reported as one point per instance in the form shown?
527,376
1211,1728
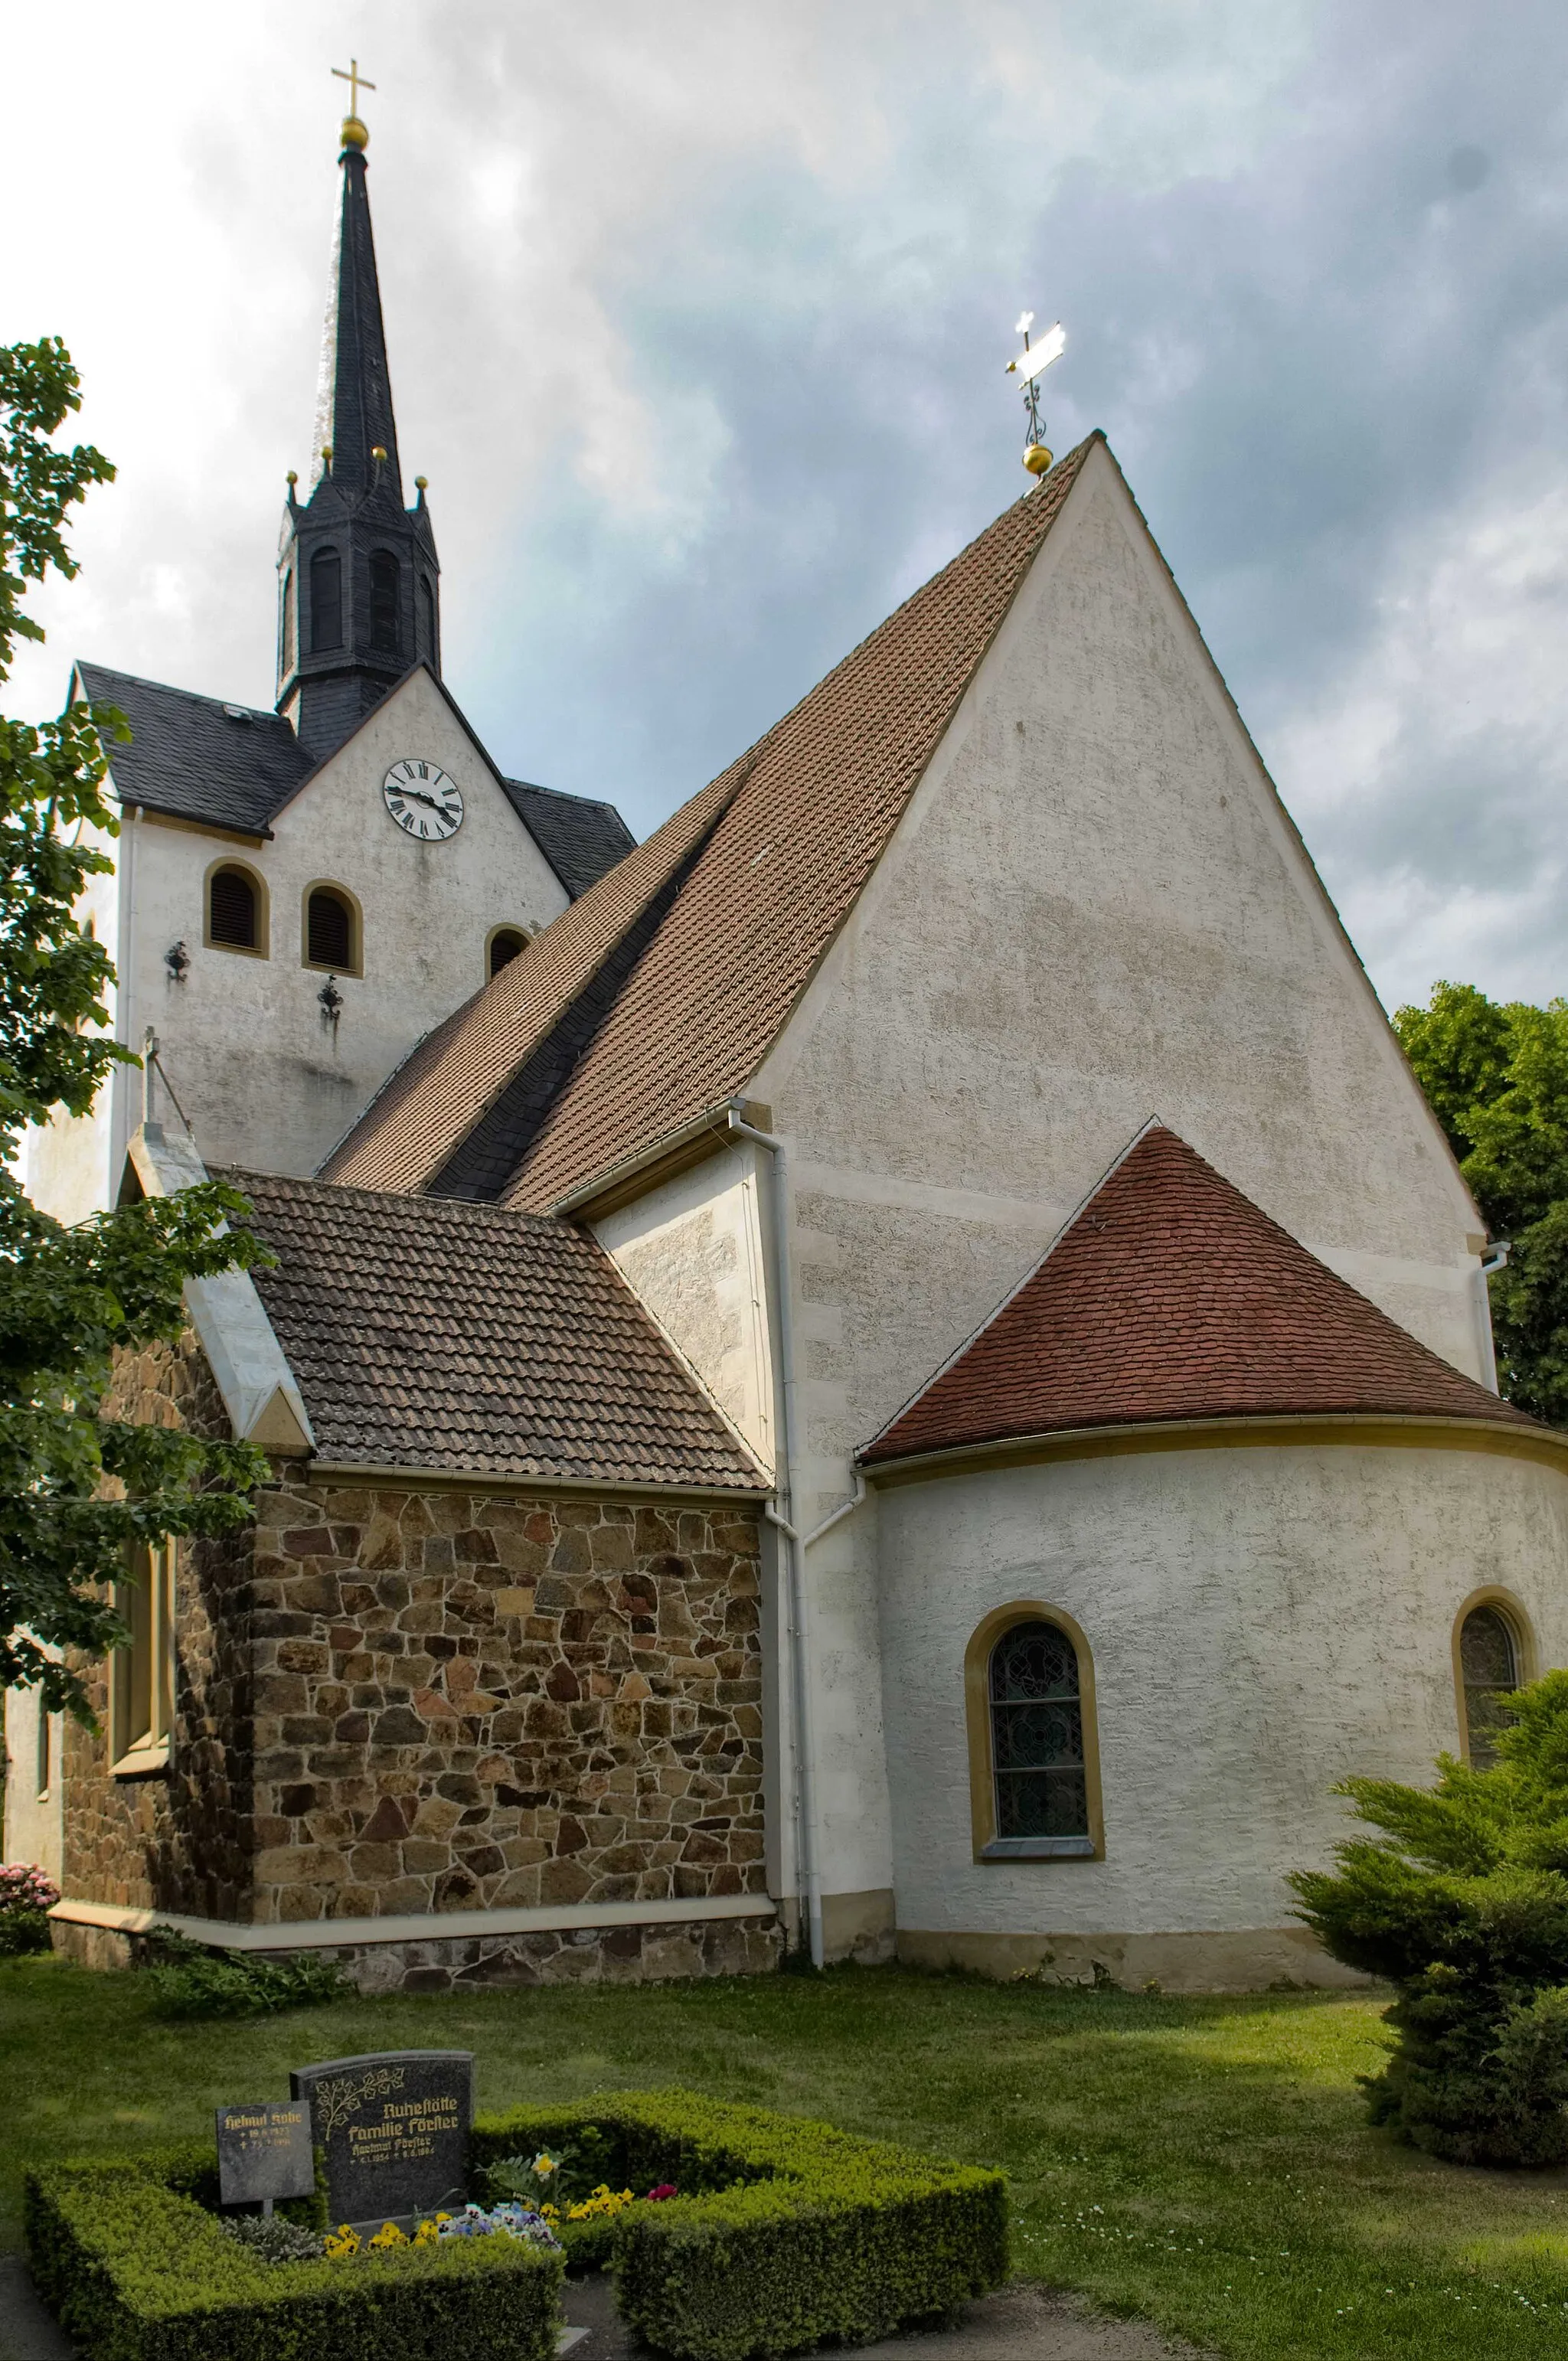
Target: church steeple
358,577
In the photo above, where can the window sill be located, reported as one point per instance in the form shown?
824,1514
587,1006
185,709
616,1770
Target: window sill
141,1763
1041,1848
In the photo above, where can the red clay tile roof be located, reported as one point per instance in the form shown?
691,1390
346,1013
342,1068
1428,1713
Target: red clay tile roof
428,1334
1171,1296
823,792
430,1104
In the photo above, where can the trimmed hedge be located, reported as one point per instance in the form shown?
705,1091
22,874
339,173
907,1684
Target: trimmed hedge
137,2270
786,2231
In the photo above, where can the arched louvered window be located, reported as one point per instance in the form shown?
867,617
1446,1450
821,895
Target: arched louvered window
427,608
235,910
504,945
384,587
1038,1757
1489,1671
286,628
326,601
331,929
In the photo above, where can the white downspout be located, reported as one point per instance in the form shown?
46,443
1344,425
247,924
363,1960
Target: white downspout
808,1841
1494,1258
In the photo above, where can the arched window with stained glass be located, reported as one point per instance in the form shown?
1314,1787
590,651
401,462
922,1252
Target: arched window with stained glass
1039,1758
1489,1671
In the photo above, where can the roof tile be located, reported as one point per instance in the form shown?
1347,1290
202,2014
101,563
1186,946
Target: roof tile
821,794
1172,1296
449,1336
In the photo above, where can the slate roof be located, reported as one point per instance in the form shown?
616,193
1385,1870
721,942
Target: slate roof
1172,1296
455,1086
235,767
579,838
441,1336
824,791
196,758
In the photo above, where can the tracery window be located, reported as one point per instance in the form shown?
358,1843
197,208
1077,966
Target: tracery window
384,602
141,1709
1489,1670
1037,1758
235,908
326,601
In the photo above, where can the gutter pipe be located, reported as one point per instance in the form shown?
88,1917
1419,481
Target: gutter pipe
808,1843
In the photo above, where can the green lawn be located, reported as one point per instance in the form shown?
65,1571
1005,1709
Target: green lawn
1203,2162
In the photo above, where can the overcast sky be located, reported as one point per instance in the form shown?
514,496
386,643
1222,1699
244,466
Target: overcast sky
697,313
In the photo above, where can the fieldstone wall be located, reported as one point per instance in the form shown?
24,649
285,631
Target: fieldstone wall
468,1701
176,1838
410,1699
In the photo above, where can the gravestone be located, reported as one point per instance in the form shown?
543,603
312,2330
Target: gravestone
264,2153
393,2131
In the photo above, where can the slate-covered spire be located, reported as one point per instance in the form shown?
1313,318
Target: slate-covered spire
358,573
354,396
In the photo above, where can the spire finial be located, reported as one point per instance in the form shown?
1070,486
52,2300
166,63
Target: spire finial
1031,364
354,133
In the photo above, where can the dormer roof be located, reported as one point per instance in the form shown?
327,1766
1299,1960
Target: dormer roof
1170,1296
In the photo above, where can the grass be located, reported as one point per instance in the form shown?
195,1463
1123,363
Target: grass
1204,2163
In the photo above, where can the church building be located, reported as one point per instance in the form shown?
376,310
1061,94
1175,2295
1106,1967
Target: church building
910,1374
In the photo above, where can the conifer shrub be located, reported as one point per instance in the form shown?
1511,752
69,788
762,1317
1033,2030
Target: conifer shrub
1461,1904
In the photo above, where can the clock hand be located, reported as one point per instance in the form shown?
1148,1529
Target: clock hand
417,795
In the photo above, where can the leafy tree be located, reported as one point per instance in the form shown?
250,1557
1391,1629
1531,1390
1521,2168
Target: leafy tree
1462,1904
1497,1079
77,1490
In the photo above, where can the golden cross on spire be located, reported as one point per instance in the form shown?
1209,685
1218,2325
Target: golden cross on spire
356,83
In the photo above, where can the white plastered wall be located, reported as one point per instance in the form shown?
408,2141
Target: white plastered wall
264,1078
1094,911
1263,1622
692,1249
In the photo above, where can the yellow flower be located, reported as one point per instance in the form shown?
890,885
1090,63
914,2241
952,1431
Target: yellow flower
544,2164
341,2241
389,2235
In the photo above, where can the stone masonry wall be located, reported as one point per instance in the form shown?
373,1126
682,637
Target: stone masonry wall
466,1701
175,1839
404,1699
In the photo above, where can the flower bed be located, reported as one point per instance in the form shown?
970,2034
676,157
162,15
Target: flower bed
780,2234
784,2233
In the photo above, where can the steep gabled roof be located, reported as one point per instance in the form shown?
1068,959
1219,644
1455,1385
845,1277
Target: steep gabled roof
824,791
456,1084
196,758
464,1338
1172,1296
579,838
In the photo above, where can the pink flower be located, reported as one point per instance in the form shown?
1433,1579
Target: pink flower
666,2189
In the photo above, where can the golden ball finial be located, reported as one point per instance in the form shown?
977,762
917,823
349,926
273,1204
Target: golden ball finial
1037,459
294,477
421,483
378,453
354,133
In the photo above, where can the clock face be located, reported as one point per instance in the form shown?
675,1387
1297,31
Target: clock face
425,802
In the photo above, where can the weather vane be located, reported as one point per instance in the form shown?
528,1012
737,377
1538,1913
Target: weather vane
354,132
1031,366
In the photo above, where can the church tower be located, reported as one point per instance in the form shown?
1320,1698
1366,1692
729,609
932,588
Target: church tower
358,580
